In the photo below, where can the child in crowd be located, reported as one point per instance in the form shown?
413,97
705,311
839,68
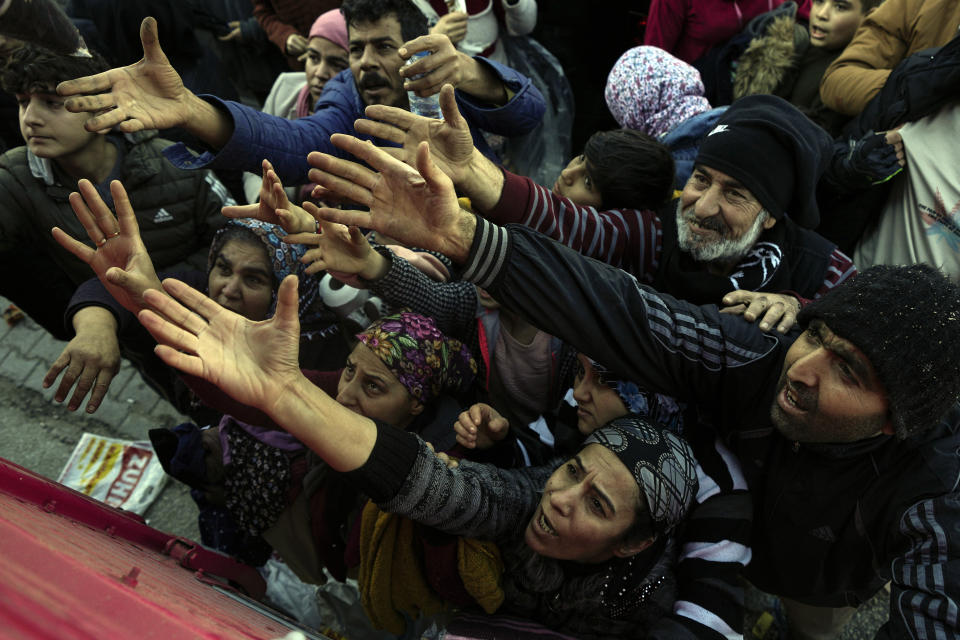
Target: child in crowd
789,58
178,210
295,93
652,91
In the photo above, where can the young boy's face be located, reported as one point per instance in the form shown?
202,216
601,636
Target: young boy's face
833,23
575,183
49,130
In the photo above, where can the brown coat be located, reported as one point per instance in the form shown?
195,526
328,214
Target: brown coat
889,33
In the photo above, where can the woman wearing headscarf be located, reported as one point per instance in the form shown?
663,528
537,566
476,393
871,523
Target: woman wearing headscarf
586,543
652,91
246,263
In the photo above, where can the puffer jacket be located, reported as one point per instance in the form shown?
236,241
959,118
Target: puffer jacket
286,143
177,210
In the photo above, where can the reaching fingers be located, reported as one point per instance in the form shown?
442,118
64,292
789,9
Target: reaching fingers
150,39
126,217
106,223
366,151
177,359
301,238
74,246
167,333
448,106
345,216
345,188
241,211
107,120
99,391
288,302
382,130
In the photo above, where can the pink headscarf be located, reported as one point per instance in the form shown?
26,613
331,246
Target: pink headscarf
650,90
332,26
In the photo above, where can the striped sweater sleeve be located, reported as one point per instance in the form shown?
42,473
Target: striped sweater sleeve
840,268
626,238
715,547
925,576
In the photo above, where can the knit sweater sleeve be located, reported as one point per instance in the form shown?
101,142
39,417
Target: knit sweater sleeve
625,238
403,476
452,304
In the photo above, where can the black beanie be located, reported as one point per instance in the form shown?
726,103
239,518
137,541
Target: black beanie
775,151
906,321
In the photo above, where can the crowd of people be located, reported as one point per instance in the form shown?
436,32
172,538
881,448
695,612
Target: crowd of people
602,390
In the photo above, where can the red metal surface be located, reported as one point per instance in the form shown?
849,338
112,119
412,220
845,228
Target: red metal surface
74,568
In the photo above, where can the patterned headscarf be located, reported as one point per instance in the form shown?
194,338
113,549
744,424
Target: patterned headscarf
660,461
657,407
424,360
284,259
650,90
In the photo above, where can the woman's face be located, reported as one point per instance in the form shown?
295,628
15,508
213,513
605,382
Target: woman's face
588,505
242,279
597,404
324,59
369,388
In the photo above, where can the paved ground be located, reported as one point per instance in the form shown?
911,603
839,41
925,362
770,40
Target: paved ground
40,434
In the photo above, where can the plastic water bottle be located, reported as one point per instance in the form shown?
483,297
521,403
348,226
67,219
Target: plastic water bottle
428,107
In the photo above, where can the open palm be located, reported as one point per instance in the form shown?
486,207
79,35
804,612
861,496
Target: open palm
254,362
416,206
120,260
148,94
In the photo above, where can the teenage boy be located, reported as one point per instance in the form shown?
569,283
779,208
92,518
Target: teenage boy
177,210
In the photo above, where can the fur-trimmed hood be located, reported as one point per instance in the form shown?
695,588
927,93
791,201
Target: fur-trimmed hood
770,60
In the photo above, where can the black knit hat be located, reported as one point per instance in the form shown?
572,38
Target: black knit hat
906,320
775,151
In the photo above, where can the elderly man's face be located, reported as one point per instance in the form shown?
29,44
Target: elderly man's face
718,219
828,391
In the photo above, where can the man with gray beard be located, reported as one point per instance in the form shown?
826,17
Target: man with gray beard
738,234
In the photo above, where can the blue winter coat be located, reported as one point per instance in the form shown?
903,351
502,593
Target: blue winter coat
286,143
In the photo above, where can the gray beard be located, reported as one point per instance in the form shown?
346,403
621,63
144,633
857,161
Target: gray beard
725,250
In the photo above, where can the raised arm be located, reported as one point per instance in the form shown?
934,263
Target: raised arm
625,238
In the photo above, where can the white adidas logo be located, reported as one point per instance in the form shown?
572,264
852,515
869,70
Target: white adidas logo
162,216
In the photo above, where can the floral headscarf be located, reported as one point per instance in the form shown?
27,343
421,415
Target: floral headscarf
284,259
662,409
650,90
424,360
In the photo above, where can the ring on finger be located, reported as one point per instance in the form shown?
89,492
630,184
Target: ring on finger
102,241
114,234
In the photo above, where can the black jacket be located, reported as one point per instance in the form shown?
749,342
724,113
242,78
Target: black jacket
836,522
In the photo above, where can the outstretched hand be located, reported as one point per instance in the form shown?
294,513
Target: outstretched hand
418,206
451,145
343,251
253,362
273,207
769,309
120,260
148,94
90,360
